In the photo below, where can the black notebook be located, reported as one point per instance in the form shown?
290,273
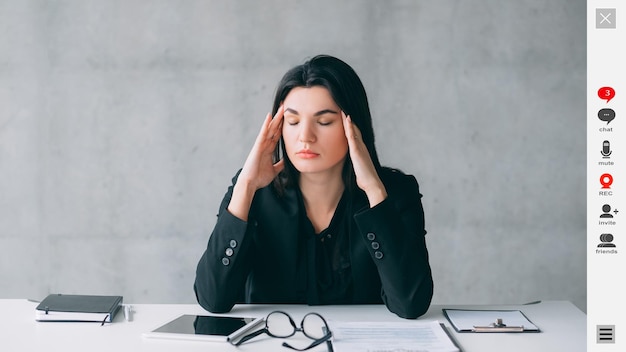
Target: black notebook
60,307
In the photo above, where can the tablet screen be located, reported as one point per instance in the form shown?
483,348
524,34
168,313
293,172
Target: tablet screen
199,326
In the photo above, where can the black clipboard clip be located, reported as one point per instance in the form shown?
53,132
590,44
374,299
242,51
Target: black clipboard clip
498,326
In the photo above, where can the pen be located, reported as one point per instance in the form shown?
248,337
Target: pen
127,312
236,335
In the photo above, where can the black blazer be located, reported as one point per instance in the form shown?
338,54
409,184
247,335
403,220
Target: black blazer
256,261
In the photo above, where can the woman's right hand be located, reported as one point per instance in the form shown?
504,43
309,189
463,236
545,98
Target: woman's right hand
259,169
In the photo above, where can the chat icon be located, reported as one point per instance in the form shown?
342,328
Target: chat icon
606,93
606,115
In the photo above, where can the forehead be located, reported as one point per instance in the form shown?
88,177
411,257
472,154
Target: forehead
309,98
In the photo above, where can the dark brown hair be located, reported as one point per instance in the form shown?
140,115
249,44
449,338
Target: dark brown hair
347,90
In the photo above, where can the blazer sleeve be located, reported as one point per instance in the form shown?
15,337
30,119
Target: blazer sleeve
222,270
394,233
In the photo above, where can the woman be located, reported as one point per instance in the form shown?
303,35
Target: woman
312,217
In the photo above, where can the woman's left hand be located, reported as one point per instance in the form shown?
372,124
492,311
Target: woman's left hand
366,176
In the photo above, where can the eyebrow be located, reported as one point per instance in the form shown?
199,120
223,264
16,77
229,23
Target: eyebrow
319,113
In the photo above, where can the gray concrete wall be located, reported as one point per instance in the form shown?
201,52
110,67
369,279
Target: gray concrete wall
122,122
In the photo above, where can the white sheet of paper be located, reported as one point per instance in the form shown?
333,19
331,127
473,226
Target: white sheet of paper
409,336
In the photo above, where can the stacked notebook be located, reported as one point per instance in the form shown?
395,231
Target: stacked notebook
60,307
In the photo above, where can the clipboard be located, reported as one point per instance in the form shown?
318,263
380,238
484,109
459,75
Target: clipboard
489,321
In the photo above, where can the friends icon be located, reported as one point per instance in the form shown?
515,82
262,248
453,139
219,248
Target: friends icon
606,241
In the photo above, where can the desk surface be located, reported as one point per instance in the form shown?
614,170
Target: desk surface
563,328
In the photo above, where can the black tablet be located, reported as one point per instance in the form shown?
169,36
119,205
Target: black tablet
205,328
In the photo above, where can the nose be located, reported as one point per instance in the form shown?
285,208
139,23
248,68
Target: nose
307,133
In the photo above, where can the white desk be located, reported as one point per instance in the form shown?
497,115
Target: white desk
563,328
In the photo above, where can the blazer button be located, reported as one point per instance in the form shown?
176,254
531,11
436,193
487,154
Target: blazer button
233,244
225,261
371,236
229,252
375,245
378,255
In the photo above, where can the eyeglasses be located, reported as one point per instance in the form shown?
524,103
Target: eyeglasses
280,324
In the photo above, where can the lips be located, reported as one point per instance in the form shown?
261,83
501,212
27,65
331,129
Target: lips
306,154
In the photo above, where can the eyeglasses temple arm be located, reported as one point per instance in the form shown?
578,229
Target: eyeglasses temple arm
314,343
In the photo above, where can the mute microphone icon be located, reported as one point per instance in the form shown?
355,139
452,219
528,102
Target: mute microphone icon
606,149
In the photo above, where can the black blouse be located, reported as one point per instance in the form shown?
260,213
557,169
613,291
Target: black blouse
327,267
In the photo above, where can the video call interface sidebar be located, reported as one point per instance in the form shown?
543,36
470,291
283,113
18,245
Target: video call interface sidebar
606,175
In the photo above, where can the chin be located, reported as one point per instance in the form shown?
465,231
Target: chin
315,168
308,169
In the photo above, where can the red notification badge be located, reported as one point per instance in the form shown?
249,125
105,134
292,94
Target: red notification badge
606,93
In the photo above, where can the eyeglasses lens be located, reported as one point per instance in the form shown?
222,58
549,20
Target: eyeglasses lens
314,326
280,325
